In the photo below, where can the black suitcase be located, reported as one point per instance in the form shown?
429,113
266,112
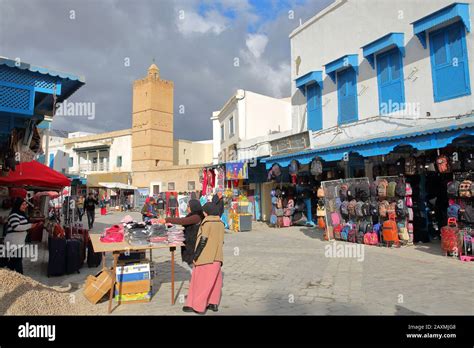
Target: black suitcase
57,256
93,259
73,255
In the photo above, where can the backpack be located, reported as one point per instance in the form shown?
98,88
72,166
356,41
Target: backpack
361,231
392,208
469,162
373,208
352,235
345,209
401,209
365,209
392,185
382,188
352,207
409,201
345,232
320,211
390,230
403,234
377,228
410,166
273,219
316,167
401,189
359,209
408,189
335,219
373,188
337,229
453,211
371,238
343,192
453,188
362,191
449,236
383,208
442,162
410,214
468,214
351,192
465,188
294,167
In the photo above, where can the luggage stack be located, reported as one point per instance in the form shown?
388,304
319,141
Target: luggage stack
134,281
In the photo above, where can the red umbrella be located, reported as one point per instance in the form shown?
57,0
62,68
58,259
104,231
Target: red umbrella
35,174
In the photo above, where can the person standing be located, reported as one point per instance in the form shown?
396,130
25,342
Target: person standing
191,223
206,280
160,206
218,200
173,205
90,204
80,207
17,230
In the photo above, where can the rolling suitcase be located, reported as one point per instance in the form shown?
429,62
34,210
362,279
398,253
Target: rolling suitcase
73,255
57,256
450,241
93,259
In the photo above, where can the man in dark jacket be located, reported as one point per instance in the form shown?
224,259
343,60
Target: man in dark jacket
218,200
89,205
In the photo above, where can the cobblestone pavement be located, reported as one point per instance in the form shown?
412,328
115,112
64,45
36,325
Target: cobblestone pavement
288,272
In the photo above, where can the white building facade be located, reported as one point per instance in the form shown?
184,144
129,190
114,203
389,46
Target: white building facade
246,124
360,70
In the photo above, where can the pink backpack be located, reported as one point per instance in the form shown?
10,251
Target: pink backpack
371,238
409,201
286,221
335,219
408,189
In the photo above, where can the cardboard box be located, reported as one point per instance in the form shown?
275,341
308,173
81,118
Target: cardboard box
97,286
141,296
133,277
133,287
134,268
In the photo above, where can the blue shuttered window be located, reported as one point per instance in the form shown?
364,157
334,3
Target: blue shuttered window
390,81
314,107
347,96
449,62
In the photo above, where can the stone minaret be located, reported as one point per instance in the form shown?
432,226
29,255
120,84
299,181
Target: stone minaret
152,126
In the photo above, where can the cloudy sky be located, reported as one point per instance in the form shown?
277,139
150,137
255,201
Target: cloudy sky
193,42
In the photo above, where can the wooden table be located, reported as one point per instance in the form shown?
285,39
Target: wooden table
119,248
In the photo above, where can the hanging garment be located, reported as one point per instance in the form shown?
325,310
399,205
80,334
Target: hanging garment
204,182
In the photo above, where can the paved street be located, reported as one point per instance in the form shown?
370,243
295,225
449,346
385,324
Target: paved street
285,271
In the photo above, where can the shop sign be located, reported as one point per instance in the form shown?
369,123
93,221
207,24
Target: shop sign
293,143
236,170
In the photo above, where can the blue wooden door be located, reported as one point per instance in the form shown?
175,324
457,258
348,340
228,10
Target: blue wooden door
314,107
390,80
449,62
347,96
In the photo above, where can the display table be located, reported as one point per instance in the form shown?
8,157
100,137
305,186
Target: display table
119,248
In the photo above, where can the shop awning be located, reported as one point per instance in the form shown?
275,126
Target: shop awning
424,138
382,44
117,185
345,62
311,77
35,174
447,15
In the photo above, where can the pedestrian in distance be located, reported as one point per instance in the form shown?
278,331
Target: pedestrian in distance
90,204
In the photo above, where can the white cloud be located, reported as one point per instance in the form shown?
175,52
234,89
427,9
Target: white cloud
190,22
256,44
